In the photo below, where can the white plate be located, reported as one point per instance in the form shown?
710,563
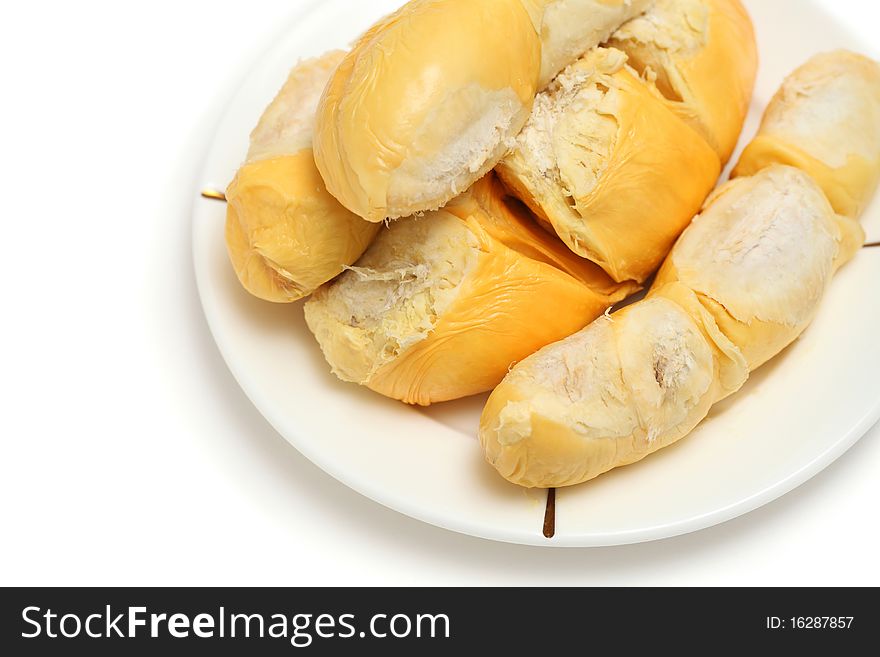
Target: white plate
793,419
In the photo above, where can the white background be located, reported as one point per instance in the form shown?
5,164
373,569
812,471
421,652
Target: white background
130,456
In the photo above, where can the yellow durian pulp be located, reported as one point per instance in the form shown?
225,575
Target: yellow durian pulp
605,163
742,283
703,57
440,307
825,120
285,234
431,96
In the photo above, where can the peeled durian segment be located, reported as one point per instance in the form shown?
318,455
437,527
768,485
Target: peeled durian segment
761,257
286,235
825,120
440,307
424,104
610,167
703,57
624,387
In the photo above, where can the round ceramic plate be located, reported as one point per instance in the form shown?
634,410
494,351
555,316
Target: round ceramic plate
794,417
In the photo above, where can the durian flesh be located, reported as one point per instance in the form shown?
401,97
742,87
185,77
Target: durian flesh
422,106
569,28
703,57
431,96
608,396
441,307
285,234
607,164
761,257
825,120
743,282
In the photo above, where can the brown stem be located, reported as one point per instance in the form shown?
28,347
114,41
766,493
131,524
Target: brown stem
213,195
550,514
